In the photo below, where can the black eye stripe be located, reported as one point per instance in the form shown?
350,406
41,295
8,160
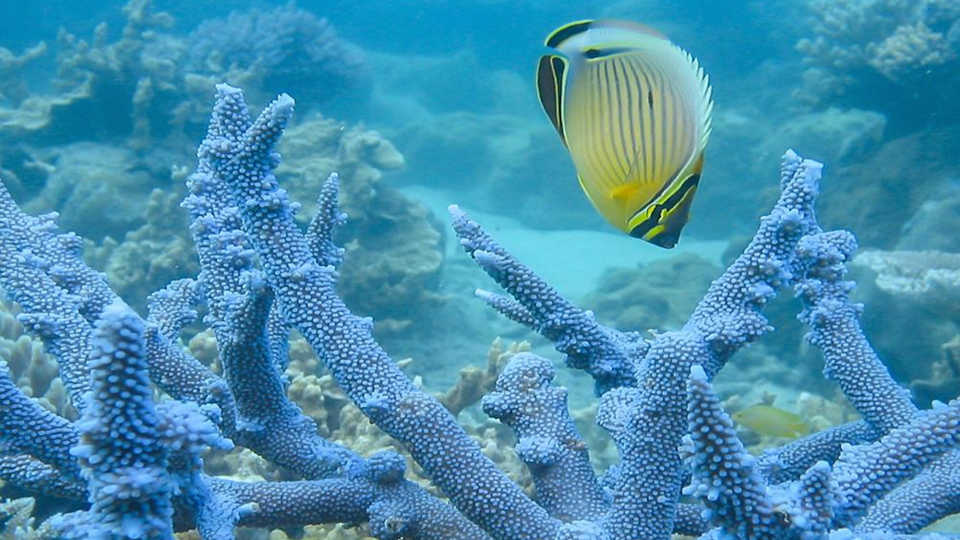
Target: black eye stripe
600,53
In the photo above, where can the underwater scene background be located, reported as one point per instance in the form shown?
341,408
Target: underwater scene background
421,104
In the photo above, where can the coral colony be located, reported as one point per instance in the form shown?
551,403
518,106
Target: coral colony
137,460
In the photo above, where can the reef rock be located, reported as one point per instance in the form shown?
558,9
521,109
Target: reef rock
394,245
935,223
916,299
637,298
98,189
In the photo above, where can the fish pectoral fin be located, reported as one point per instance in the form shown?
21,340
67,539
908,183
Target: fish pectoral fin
625,192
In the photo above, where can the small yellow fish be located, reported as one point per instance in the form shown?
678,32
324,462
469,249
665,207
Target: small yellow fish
772,421
633,110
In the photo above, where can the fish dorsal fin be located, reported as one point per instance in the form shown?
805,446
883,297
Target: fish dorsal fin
551,72
628,26
603,30
705,93
566,32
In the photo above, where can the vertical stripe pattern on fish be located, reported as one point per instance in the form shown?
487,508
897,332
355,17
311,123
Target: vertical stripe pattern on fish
633,110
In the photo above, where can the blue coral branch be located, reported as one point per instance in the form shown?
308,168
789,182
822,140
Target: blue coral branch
49,312
815,501
866,473
374,492
724,474
61,297
930,495
124,459
728,317
508,307
320,239
608,355
31,474
239,304
308,301
835,328
790,461
325,224
139,463
29,429
547,440
172,308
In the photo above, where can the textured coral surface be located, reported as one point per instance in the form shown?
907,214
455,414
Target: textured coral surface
340,450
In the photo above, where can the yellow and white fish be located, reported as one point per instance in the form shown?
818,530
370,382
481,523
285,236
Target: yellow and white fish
633,109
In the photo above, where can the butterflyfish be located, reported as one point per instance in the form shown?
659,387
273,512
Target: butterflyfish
772,421
633,110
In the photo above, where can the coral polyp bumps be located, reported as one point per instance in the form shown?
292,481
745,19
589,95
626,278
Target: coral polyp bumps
137,461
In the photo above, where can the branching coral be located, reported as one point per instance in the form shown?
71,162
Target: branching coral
144,85
13,88
905,42
261,277
894,37
289,47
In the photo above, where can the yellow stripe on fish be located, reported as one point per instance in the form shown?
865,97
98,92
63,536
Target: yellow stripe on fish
634,111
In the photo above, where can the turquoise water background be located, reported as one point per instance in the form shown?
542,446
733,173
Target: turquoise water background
420,104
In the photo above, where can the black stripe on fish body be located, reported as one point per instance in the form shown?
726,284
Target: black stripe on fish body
645,133
674,222
623,98
612,100
631,82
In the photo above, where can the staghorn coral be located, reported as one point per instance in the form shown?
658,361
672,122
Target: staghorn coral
261,276
31,369
16,520
126,82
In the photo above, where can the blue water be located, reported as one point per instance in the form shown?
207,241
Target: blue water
449,85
